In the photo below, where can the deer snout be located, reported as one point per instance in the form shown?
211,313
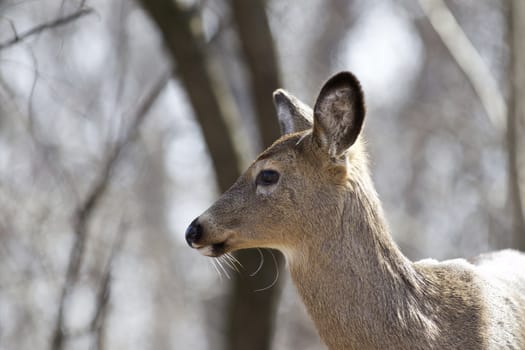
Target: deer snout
194,233
203,235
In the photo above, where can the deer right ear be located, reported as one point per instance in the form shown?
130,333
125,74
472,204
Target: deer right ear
294,116
339,113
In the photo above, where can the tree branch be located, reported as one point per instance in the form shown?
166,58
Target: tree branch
86,209
516,121
44,26
468,60
98,323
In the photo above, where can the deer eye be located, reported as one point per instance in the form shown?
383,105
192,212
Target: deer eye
267,178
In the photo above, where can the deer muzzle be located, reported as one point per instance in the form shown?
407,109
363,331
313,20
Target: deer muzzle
207,244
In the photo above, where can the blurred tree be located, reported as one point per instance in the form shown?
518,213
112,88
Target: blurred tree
245,331
182,33
452,52
84,213
214,109
64,86
337,20
261,60
516,119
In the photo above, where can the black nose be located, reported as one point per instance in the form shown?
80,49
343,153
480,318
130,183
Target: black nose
193,232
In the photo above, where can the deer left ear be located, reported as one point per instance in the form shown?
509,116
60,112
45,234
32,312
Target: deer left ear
339,114
294,115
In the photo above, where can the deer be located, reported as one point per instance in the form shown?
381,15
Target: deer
310,196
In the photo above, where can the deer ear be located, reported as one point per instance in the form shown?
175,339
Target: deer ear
339,113
294,116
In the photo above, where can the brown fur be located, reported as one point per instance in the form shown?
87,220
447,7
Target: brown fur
324,215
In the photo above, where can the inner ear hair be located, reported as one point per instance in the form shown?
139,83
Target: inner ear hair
339,113
293,115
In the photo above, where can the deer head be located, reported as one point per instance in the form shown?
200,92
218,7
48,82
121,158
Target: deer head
310,196
284,198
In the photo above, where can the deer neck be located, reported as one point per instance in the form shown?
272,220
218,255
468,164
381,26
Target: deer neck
356,284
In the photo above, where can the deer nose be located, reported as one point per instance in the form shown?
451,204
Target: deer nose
193,232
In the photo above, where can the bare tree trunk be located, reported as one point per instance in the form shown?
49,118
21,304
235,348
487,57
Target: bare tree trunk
244,330
213,107
516,119
261,60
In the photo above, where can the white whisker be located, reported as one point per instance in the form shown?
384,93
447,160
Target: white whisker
301,139
231,263
222,268
228,263
276,274
235,261
215,267
260,264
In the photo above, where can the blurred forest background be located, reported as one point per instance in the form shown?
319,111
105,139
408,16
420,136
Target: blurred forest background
120,121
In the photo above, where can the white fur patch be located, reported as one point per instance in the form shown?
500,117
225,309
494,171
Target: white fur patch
206,250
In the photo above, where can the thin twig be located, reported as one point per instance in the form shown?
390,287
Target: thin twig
30,109
44,26
99,320
87,207
468,60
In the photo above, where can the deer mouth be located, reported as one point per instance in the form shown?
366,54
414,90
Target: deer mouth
213,250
